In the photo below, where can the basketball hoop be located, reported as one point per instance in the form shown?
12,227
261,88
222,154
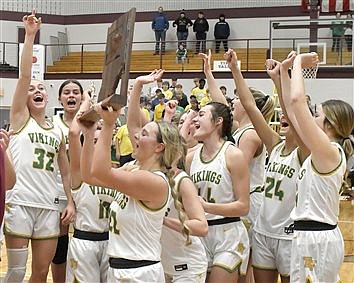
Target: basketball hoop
310,73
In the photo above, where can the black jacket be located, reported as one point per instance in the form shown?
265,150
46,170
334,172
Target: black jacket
182,24
200,25
222,30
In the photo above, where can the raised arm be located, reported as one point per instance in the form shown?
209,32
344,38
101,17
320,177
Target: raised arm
75,144
324,155
284,99
215,92
134,121
19,112
268,136
139,184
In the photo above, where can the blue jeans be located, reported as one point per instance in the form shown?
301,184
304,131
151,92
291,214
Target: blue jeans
182,37
160,35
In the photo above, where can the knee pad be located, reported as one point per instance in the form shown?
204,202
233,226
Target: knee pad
16,267
62,250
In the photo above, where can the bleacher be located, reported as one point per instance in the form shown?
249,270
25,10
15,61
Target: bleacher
145,61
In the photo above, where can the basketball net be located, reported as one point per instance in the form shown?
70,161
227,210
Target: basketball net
310,73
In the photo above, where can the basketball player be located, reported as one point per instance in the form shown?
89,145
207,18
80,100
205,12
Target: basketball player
317,246
136,218
184,261
70,94
87,255
38,149
223,186
247,139
271,242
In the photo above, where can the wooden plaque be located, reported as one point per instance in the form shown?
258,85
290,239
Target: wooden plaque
116,65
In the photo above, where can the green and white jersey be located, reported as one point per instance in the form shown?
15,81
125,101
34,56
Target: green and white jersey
212,178
279,193
58,120
257,165
92,207
35,154
318,193
175,253
134,229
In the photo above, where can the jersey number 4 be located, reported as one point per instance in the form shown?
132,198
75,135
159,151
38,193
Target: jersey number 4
44,160
272,185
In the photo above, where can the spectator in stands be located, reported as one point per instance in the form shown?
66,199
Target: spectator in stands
180,96
166,90
221,33
182,23
124,147
223,90
193,104
348,33
173,84
200,91
160,26
206,99
159,108
337,27
144,102
200,27
181,54
196,83
153,89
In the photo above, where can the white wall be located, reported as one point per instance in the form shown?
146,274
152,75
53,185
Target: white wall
257,28
70,7
240,29
319,89
9,33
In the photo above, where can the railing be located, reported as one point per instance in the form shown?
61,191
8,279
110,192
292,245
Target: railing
250,50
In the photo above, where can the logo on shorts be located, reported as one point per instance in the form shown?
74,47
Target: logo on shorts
73,263
240,248
309,262
56,201
181,267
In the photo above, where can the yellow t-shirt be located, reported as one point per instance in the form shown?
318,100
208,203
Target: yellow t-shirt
125,145
205,100
199,93
168,94
146,113
159,108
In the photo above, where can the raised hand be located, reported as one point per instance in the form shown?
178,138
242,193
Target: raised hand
231,58
85,126
273,68
308,60
287,63
206,59
31,23
5,138
109,115
170,109
153,76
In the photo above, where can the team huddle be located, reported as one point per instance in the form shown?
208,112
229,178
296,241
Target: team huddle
199,202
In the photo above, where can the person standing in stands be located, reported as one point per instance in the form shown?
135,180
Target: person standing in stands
200,27
337,28
348,33
182,23
221,33
160,25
